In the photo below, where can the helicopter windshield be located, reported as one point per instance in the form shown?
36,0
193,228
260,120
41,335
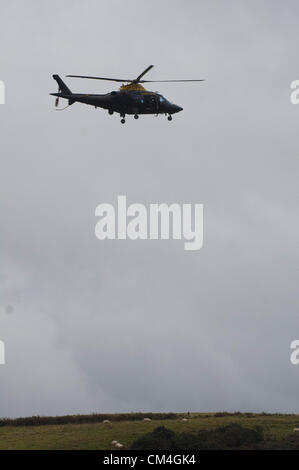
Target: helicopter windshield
163,100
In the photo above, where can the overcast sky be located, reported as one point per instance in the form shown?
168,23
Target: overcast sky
116,326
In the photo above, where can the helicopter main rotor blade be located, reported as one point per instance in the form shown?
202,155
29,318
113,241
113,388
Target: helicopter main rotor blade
101,78
168,81
137,80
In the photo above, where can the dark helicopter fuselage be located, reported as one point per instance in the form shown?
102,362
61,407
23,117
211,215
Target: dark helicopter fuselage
130,99
126,102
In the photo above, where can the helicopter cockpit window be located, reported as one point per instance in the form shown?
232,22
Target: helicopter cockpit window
138,99
161,99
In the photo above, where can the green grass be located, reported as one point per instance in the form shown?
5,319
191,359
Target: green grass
98,436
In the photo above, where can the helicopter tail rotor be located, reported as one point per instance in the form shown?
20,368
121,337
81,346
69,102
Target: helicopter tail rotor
64,91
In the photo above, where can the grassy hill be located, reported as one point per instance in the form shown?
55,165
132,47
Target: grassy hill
89,432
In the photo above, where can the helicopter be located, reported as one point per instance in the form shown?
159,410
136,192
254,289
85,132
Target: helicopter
132,98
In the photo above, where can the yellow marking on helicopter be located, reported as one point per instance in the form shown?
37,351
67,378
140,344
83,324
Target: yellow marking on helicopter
133,87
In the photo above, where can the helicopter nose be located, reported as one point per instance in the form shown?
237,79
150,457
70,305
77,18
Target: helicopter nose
176,108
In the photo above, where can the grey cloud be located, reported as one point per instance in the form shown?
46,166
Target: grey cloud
123,326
